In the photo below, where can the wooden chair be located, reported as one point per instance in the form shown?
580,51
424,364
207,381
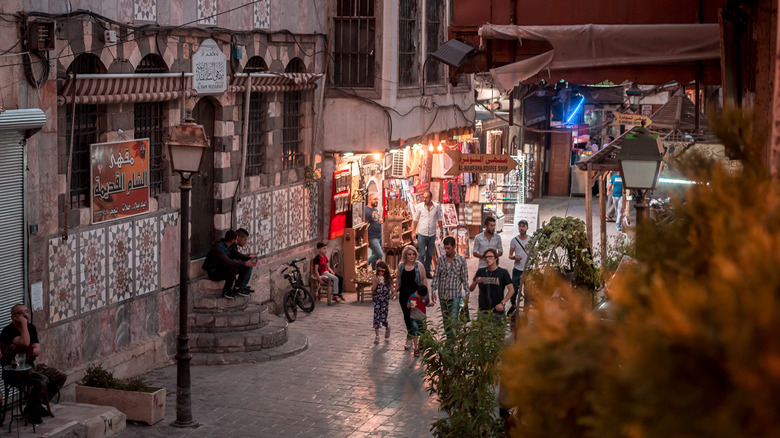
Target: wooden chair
318,289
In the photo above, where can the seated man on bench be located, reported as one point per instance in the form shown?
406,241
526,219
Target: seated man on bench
224,262
21,337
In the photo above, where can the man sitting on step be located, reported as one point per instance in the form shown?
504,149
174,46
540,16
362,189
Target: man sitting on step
224,262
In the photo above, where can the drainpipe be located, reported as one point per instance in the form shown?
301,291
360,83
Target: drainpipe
240,188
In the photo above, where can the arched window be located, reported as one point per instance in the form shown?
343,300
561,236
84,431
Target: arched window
150,123
85,132
292,128
257,132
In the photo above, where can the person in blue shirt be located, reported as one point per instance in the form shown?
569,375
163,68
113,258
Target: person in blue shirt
616,187
374,219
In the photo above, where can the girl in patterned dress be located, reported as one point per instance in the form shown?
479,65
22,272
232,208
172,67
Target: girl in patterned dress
381,291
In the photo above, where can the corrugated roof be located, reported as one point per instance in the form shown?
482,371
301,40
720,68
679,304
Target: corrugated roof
679,114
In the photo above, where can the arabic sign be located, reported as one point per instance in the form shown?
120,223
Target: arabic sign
480,163
630,119
209,68
119,178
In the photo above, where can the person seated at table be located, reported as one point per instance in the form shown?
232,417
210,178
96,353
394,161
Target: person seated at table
20,337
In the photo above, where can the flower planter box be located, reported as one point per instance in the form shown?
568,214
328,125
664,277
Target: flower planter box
146,407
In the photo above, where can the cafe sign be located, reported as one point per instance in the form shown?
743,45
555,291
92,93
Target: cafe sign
119,175
480,163
630,119
209,69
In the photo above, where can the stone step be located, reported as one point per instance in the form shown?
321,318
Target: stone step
254,316
296,343
271,335
216,303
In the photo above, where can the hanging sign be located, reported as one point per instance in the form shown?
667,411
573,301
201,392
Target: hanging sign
209,68
119,175
529,213
480,163
630,119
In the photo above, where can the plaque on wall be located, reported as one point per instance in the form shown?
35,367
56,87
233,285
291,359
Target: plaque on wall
209,68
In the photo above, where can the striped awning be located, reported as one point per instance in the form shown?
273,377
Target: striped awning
273,82
123,88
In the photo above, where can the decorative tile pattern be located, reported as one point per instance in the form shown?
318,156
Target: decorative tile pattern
145,10
246,217
281,220
298,224
145,249
262,15
63,281
313,213
92,264
207,12
264,229
120,262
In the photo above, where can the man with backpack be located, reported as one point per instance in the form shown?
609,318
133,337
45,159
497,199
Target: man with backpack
519,256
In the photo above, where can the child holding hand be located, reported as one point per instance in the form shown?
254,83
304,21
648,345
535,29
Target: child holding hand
417,303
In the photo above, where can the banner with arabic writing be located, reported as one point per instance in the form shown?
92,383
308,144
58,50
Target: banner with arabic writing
119,175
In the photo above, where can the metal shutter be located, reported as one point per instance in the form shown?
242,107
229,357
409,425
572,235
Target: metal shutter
12,232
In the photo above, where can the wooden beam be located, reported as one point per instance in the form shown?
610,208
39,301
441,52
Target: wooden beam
602,216
588,207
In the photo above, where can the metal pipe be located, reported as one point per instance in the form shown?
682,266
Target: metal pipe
244,146
183,356
66,207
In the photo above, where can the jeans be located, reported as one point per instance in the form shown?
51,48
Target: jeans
618,201
375,243
516,274
228,273
425,245
449,314
336,281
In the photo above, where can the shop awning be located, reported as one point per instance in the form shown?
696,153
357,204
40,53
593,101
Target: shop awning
123,88
273,82
602,47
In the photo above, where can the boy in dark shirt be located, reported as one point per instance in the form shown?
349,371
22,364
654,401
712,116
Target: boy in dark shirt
493,281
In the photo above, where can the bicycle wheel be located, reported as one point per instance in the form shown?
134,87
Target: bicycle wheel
290,309
305,300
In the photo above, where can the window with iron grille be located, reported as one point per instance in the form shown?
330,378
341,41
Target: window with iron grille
257,131
434,11
354,37
407,42
292,129
85,132
150,123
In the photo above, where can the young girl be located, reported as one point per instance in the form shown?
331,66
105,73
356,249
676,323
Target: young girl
381,290
417,303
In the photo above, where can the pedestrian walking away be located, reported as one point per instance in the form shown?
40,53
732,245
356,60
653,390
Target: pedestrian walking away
492,281
225,262
374,219
411,273
487,239
451,280
616,187
380,289
425,225
417,303
519,256
324,271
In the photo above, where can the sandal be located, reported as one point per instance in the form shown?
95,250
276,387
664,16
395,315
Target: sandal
417,352
376,340
387,332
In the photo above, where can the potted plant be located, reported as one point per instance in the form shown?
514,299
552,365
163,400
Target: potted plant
137,400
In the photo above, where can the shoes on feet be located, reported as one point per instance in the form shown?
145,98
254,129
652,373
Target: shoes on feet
248,289
241,291
416,352
619,228
408,344
376,340
387,332
228,294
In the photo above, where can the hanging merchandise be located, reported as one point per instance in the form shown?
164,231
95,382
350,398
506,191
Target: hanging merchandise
339,204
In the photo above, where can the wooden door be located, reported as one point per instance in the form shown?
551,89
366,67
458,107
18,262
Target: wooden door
560,170
202,201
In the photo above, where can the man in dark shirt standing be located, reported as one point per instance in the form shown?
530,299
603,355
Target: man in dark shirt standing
20,337
492,282
374,219
225,262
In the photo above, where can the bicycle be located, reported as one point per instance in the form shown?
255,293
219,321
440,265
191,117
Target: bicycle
298,295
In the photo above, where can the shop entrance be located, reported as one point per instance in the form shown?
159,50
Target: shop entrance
202,200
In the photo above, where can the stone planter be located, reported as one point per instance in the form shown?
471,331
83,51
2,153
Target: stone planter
146,407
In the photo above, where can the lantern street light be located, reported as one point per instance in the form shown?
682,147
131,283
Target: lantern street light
187,144
640,162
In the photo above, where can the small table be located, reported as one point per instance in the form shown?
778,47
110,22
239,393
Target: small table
16,376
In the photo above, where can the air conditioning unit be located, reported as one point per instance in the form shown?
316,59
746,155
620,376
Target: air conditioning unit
41,35
399,165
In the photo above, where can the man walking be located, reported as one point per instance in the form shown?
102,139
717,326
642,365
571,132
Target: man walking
487,239
616,187
451,280
374,219
224,262
427,216
519,255
492,282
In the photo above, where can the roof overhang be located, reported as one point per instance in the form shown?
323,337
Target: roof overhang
25,121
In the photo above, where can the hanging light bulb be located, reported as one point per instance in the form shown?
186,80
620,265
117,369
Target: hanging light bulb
440,148
430,147
377,156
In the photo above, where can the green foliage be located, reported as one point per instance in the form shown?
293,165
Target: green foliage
562,244
310,175
463,372
621,246
691,349
99,377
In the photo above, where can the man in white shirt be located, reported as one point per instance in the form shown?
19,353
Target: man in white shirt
427,216
487,240
519,255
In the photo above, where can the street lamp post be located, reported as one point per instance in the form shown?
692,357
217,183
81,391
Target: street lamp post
640,161
187,144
